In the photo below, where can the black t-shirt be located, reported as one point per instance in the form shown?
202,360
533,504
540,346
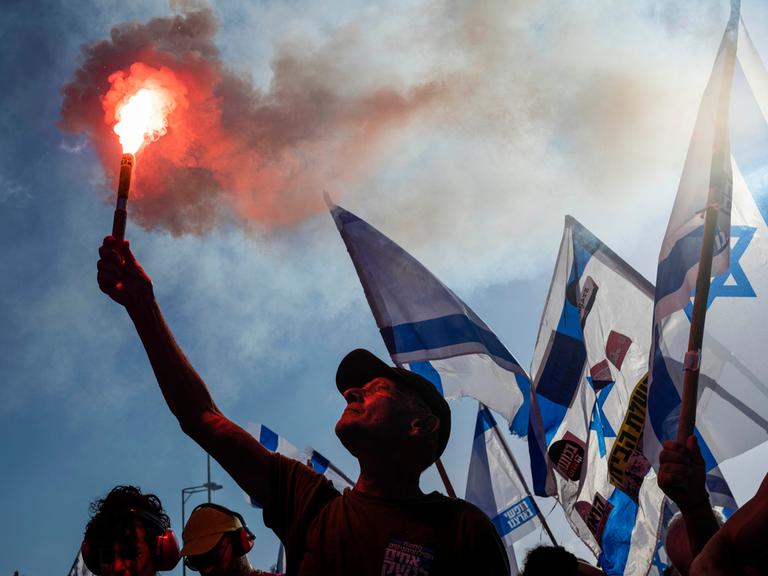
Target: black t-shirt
327,533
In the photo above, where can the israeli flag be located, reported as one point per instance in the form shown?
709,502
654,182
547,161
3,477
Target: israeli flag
322,465
274,443
311,457
727,165
428,328
495,486
587,413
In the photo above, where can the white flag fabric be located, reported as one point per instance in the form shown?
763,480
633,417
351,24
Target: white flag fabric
589,368
494,486
79,568
727,165
426,326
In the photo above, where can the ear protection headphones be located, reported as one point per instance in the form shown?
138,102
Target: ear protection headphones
243,537
166,548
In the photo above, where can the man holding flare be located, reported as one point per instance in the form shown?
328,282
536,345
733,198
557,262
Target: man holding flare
395,423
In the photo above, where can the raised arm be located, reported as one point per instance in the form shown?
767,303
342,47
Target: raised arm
682,477
122,278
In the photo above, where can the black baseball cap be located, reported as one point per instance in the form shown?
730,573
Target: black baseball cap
361,366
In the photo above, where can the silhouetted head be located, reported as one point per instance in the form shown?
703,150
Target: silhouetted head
546,560
677,545
216,541
390,409
551,560
128,535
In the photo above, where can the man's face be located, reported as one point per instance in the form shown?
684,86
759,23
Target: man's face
131,557
218,561
376,413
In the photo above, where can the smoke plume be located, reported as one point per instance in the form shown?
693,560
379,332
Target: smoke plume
232,152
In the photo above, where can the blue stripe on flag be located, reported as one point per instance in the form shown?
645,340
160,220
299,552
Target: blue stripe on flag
539,466
514,516
718,485
319,462
664,407
570,323
684,255
519,423
561,375
426,370
485,421
663,398
617,535
439,333
552,415
267,438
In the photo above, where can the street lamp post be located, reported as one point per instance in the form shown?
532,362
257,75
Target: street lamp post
186,493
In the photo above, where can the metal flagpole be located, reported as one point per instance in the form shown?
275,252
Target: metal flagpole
208,484
522,479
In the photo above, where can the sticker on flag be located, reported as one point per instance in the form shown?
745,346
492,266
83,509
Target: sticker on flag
590,354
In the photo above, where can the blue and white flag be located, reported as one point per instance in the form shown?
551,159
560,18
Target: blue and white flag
274,443
727,165
426,326
494,486
589,378
322,465
311,457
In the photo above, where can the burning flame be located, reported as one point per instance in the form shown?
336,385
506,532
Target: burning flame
143,116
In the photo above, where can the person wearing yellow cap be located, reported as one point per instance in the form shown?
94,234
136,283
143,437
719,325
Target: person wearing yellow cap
395,423
217,541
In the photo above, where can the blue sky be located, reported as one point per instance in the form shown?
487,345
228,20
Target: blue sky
562,107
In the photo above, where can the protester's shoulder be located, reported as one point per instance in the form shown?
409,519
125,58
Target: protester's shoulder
459,507
299,472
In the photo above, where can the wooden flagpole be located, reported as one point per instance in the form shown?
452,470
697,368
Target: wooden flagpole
692,362
444,477
720,179
439,464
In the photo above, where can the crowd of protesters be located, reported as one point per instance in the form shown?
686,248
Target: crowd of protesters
396,424
129,534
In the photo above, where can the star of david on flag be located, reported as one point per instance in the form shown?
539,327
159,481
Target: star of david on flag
600,423
726,166
588,405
